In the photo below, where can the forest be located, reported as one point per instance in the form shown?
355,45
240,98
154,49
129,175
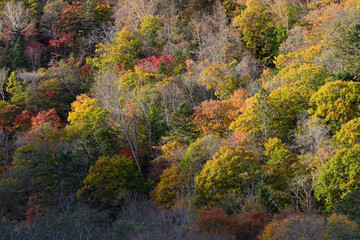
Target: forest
179,119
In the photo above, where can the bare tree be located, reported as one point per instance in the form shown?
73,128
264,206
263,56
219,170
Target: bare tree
301,189
295,41
280,10
211,33
172,35
171,96
104,33
129,13
311,135
106,90
34,57
15,16
3,78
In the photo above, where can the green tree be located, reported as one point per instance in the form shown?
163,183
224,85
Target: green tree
16,88
341,175
16,49
278,155
197,154
255,122
81,109
96,138
279,170
149,26
181,127
287,102
122,52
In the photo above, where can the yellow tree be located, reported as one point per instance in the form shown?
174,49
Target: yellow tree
80,111
337,103
170,188
122,52
228,177
108,179
349,133
259,32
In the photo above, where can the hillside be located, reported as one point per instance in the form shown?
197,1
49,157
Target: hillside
180,119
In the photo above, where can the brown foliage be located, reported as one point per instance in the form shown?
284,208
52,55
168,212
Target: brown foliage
248,226
213,220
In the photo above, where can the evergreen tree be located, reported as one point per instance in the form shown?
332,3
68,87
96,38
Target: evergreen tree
181,127
16,49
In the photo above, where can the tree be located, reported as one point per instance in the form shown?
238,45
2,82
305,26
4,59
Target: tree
349,205
44,126
197,154
255,122
213,117
213,36
311,134
171,187
223,79
349,134
336,102
121,53
246,226
279,156
81,109
350,49
227,179
307,226
258,30
97,137
3,79
181,127
339,177
16,49
117,96
15,16
149,28
299,74
301,188
16,88
109,179
287,102
8,114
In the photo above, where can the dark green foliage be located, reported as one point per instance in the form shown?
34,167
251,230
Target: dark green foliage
157,124
265,198
350,205
16,49
344,76
181,128
339,178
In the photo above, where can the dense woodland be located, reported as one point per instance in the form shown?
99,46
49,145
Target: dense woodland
180,119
